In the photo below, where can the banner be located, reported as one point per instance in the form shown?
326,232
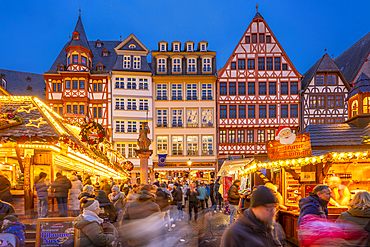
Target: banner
162,160
228,181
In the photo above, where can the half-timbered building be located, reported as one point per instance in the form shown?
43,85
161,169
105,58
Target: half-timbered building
324,94
78,82
257,92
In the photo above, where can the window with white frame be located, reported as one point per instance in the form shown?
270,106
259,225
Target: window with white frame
176,91
120,82
207,65
177,118
203,47
120,103
192,65
163,47
131,83
131,150
120,126
121,148
207,117
131,127
190,47
161,91
207,145
161,65
143,83
192,144
126,62
207,91
144,104
162,143
191,91
137,62
176,65
192,117
176,47
162,117
131,104
177,144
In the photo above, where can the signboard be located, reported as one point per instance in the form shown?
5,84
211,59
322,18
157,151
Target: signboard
228,181
308,188
288,145
29,152
54,231
308,176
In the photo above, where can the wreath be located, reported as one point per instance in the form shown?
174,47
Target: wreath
92,133
129,165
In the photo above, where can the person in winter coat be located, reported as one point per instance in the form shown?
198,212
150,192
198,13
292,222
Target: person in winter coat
192,195
5,186
211,193
42,195
208,193
177,200
61,186
202,195
162,198
73,201
359,211
217,195
233,197
5,209
256,227
106,187
316,203
106,204
117,198
13,226
90,226
87,180
88,191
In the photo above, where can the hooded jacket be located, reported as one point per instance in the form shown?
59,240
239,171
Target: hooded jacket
233,196
248,231
41,188
141,208
77,187
5,209
202,193
312,204
357,215
91,232
16,228
61,186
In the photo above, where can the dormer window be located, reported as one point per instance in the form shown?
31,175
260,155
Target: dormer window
176,47
99,66
190,47
105,52
74,58
76,36
192,65
3,83
203,47
60,67
132,46
163,47
137,62
126,62
98,44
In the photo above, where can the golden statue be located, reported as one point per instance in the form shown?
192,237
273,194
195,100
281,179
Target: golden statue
143,141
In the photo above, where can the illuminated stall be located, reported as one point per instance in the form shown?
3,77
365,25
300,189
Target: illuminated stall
35,139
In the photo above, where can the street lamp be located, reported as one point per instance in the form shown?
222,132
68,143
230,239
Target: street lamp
189,164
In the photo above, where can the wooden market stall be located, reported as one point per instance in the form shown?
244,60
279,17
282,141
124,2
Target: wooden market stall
35,139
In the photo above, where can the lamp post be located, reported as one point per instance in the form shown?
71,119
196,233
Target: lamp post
189,164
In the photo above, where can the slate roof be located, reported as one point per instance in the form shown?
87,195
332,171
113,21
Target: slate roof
324,64
83,38
362,85
118,66
351,60
24,83
257,15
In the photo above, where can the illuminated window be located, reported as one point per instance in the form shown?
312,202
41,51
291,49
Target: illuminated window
143,83
192,117
176,65
231,135
177,144
161,65
241,136
270,135
120,126
222,136
126,62
137,63
250,136
131,150
191,91
260,136
83,60
313,101
207,91
192,65
132,46
131,127
82,109
207,117
354,108
207,145
120,82
366,105
313,121
192,144
321,101
162,143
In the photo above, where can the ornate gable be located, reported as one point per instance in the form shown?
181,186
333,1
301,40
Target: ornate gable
131,45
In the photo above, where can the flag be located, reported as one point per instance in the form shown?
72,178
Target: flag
161,160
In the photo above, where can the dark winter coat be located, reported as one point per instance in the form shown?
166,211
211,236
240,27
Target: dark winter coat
356,215
17,229
41,188
87,182
61,186
141,208
248,231
312,204
5,194
5,209
162,199
216,188
106,187
85,194
233,195
91,232
105,203
211,190
192,197
177,195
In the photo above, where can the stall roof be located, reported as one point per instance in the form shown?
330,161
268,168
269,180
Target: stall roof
231,166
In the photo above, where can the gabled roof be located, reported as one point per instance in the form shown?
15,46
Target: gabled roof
82,41
24,83
257,15
351,61
362,85
324,64
131,39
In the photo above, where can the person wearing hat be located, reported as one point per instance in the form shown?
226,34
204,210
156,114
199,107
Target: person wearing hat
13,226
256,227
90,226
233,197
117,198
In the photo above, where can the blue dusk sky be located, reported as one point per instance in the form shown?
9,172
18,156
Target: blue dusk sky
34,32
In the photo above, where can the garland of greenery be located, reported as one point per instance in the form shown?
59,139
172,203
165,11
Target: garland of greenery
92,127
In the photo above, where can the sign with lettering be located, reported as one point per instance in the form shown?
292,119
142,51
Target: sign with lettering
299,146
228,181
54,231
308,176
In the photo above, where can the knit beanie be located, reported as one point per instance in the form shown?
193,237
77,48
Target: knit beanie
262,196
156,183
89,204
115,188
11,217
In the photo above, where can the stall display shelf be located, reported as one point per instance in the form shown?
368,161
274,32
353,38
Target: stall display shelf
293,188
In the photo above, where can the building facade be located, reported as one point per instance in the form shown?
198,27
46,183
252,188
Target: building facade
132,98
257,92
78,83
324,94
184,84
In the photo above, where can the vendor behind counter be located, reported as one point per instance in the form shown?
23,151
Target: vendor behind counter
340,195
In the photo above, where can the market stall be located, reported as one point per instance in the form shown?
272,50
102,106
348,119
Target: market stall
35,139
